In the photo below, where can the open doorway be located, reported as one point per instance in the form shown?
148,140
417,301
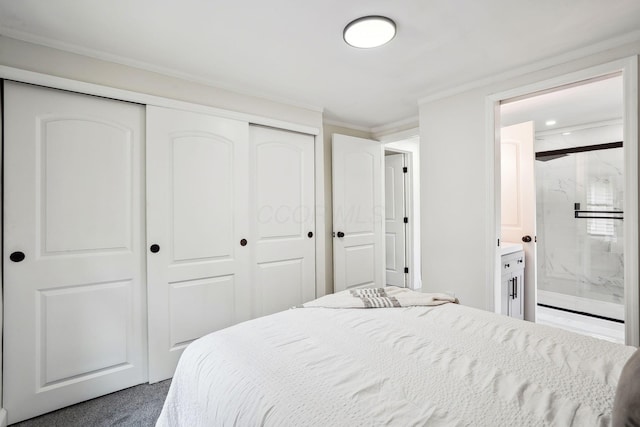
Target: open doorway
402,213
562,180
359,178
599,232
396,219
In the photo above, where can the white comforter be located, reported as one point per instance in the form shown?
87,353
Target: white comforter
448,365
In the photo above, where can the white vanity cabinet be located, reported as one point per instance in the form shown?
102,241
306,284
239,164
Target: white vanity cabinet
512,268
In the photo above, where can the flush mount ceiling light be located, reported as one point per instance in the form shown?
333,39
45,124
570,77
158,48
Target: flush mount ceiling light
550,122
369,31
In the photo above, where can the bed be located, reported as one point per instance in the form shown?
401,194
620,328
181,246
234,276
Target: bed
442,365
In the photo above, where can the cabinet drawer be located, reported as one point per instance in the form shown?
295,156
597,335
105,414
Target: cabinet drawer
512,262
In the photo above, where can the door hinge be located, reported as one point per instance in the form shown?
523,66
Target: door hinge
406,220
406,269
405,169
498,242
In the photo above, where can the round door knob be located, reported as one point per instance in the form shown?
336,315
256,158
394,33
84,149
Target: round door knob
154,248
310,234
17,256
340,234
243,242
526,239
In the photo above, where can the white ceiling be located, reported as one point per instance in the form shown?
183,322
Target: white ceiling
575,106
292,50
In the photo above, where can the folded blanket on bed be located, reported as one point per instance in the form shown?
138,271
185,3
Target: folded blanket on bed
391,296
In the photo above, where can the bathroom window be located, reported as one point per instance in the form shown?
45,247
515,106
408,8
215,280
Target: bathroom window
600,198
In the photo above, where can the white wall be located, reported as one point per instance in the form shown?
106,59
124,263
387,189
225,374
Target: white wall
454,175
32,57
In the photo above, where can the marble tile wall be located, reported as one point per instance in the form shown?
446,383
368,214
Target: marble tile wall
580,257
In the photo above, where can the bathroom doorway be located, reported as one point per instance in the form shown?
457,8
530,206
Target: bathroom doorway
402,210
572,186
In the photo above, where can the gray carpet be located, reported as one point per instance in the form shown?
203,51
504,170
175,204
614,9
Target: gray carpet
137,406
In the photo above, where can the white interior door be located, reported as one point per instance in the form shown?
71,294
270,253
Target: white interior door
283,225
197,215
395,227
74,301
358,213
518,201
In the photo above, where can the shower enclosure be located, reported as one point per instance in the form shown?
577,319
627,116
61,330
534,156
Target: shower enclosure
580,259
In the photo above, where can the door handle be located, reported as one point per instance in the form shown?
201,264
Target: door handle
155,248
340,234
511,288
526,238
515,287
310,234
17,256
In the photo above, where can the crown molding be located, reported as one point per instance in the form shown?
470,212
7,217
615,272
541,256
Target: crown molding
410,125
575,54
395,131
146,66
338,123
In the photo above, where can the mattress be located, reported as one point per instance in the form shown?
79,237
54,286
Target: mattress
447,365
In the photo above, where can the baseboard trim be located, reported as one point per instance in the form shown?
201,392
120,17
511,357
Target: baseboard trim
3,417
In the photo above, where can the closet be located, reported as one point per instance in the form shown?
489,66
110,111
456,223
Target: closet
230,222
132,230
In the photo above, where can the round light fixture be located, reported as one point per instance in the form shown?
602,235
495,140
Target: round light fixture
369,31
550,122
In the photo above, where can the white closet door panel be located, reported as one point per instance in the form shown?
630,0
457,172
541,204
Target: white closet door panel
279,190
282,195
75,311
100,153
362,168
358,212
390,248
69,336
202,195
192,302
364,257
197,214
279,284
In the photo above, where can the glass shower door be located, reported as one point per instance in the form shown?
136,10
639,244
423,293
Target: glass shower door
580,230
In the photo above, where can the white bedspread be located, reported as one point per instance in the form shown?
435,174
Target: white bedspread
447,365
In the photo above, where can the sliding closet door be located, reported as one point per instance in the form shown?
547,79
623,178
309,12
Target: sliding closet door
73,262
283,225
197,230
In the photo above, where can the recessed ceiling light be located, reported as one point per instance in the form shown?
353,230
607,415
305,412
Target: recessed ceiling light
369,31
550,122
566,133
